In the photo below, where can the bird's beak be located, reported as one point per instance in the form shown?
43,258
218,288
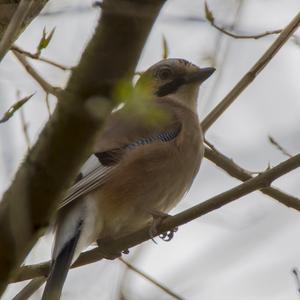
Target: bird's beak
199,75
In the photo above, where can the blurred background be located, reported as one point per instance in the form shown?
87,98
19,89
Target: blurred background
245,250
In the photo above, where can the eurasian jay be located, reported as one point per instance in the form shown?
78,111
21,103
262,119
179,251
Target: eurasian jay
141,167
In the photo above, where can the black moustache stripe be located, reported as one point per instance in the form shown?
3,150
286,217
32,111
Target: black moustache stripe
170,87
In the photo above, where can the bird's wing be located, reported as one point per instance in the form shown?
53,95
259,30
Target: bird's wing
120,135
87,182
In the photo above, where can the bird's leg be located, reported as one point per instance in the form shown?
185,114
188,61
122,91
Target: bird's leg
108,253
158,218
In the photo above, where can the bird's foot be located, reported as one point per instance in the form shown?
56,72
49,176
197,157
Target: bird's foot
109,253
158,218
168,235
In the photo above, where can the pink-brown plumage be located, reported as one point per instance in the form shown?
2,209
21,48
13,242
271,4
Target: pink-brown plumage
146,165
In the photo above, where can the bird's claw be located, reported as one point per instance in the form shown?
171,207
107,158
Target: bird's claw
168,235
158,218
125,251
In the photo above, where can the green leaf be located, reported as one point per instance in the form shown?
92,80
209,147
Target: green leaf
208,13
45,40
139,100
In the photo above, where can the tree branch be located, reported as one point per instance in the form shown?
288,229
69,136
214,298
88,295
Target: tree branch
14,26
67,139
150,279
236,171
8,9
251,74
30,288
210,18
36,56
47,87
260,181
278,146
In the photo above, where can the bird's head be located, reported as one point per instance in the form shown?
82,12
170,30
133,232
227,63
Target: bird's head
177,77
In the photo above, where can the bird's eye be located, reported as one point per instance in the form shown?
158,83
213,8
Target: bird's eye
164,74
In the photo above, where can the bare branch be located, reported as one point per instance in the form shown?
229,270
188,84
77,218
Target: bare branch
210,18
251,74
278,146
39,58
236,171
152,280
25,129
48,104
295,272
30,288
10,112
260,181
220,54
47,87
14,26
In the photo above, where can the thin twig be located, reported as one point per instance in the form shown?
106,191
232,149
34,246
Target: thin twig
150,279
295,272
211,19
220,54
25,129
262,180
48,88
278,146
36,56
48,105
252,73
14,26
238,172
30,288
240,36
10,112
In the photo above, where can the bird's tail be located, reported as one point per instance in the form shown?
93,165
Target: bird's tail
60,267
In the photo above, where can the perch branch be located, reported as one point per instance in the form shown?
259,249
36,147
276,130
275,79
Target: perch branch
260,181
236,171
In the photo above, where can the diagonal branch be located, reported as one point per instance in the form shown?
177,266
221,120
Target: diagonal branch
210,18
150,279
14,26
47,87
236,171
67,139
251,74
261,181
9,29
30,288
278,146
36,56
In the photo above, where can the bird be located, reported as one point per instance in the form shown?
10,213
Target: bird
140,168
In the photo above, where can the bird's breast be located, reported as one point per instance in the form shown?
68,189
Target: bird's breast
150,177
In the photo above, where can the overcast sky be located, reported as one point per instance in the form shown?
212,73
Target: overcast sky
245,250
